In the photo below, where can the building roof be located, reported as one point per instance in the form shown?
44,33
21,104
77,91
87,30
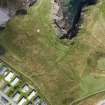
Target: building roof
37,100
22,101
15,81
4,100
6,89
32,94
25,88
3,70
43,103
9,77
16,97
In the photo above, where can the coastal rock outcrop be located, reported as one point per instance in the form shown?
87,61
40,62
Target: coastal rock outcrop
66,16
10,8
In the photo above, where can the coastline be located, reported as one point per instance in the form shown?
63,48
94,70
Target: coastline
57,18
68,21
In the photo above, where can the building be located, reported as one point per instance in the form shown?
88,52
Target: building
6,89
4,101
37,100
3,70
9,77
22,101
16,97
15,81
32,94
43,103
25,88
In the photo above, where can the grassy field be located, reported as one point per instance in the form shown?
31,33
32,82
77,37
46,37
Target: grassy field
63,70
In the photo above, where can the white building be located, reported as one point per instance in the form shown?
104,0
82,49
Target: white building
32,94
37,100
3,70
22,101
15,81
43,103
9,77
16,97
25,88
6,89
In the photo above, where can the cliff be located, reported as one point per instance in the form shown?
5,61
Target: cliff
9,8
68,16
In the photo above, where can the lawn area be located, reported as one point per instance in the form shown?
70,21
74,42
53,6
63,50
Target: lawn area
64,70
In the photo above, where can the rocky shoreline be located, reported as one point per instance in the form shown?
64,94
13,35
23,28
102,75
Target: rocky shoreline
58,18
12,8
66,16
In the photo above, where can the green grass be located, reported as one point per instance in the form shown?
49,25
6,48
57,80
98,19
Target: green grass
62,69
101,64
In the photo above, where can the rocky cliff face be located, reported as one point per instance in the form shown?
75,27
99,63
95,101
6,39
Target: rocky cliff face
9,8
68,15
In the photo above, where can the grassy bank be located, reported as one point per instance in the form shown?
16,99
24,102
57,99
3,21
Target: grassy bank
63,70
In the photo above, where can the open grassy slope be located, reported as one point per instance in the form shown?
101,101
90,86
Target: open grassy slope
63,70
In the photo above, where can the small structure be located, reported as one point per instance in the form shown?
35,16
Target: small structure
32,94
25,88
9,77
3,70
43,103
22,101
6,89
4,101
16,97
15,81
38,30
37,100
